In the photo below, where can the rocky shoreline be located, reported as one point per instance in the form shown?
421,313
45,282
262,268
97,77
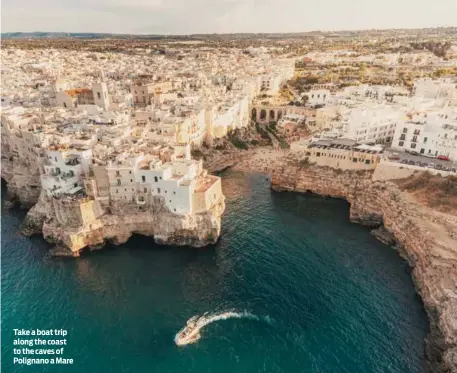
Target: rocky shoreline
424,237
166,228
73,226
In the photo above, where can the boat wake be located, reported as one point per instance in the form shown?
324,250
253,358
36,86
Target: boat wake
191,332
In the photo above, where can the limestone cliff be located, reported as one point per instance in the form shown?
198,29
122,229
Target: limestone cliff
73,225
23,182
426,238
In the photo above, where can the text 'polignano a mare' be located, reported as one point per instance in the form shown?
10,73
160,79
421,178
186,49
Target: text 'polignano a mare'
40,346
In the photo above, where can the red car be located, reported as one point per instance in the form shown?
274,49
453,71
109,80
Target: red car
443,158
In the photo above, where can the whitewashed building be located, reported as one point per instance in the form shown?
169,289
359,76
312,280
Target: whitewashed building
432,134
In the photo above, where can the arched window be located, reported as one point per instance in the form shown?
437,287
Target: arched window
263,114
254,114
272,114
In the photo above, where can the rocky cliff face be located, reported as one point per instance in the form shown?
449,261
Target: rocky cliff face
72,235
24,186
426,238
71,230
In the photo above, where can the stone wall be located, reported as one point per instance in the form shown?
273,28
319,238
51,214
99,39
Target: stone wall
391,171
427,239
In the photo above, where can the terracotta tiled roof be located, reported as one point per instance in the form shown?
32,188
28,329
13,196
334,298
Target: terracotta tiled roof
77,91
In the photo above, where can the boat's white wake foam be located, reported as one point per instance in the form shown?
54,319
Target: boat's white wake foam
195,324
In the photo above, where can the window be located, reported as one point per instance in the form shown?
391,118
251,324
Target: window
143,178
422,151
131,180
130,172
174,192
98,95
318,154
75,185
402,136
117,191
400,143
145,190
417,132
425,140
125,189
367,161
414,139
405,130
158,190
413,146
117,173
354,160
155,179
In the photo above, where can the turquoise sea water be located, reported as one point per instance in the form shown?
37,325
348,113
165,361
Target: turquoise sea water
330,298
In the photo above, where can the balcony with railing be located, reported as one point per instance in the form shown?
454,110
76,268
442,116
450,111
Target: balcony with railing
140,200
72,162
67,175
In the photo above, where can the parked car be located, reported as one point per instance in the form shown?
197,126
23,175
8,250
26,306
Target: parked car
424,164
431,165
443,157
411,162
405,161
438,167
453,170
394,156
412,152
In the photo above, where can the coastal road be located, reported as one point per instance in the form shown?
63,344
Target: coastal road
419,158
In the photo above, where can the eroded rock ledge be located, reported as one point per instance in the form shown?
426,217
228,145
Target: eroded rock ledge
70,226
427,240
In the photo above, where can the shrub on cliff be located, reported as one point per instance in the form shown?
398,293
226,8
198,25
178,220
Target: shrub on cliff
435,190
237,142
305,163
197,154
